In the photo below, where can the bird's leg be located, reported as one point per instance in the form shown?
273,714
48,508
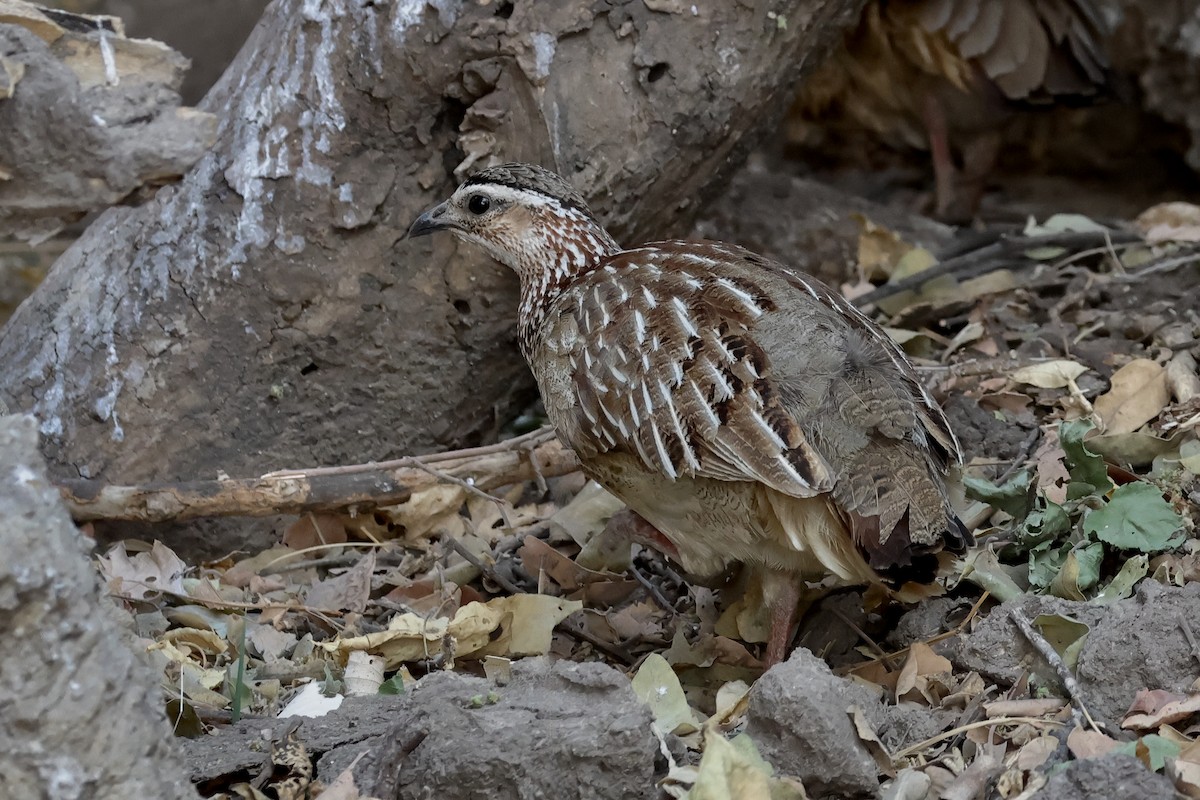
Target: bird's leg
631,525
979,159
781,592
944,172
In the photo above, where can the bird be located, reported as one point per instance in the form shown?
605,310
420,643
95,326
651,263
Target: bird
943,74
745,413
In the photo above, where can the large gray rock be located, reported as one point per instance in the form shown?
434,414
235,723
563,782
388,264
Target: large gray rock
1133,644
556,730
1108,776
798,719
561,731
80,714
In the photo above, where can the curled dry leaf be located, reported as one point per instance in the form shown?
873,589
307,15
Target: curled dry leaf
879,249
1055,374
1157,712
870,739
924,672
430,510
1169,222
363,675
349,591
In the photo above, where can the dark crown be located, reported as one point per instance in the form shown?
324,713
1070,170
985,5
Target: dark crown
533,179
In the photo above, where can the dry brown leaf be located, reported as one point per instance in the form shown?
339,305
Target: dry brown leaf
539,558
1052,474
1186,775
533,617
1168,713
972,781
349,591
920,669
429,511
312,530
1012,402
1035,752
240,574
870,739
1169,222
1090,744
1139,392
1149,701
634,621
159,570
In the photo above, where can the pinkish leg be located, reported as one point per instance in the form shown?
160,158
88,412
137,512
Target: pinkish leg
633,526
944,172
781,592
979,159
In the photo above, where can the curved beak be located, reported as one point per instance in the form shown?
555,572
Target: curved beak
432,220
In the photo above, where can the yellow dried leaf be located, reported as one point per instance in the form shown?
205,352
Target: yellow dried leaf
879,249
657,685
1055,374
533,617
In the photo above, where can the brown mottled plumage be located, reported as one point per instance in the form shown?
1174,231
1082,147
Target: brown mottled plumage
744,410
928,72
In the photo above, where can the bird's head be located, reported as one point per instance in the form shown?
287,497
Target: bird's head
526,217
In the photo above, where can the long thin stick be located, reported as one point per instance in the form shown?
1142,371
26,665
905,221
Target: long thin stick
360,486
1047,651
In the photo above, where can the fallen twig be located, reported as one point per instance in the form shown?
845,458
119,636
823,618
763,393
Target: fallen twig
1078,710
1002,254
912,750
359,486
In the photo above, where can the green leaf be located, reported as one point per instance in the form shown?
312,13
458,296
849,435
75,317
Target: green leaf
1152,750
1089,474
1045,562
1046,523
1064,634
1015,497
393,685
1120,587
1136,517
1063,223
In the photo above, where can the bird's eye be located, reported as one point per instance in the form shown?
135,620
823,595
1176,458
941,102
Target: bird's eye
478,204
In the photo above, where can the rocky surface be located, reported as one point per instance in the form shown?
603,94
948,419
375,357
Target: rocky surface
799,719
1115,776
1133,644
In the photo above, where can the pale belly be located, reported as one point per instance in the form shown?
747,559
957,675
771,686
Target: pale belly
714,524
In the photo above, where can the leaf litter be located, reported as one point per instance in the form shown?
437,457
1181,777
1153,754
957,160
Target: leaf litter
1078,402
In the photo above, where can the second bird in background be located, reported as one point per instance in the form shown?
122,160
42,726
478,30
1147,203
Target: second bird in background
944,75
